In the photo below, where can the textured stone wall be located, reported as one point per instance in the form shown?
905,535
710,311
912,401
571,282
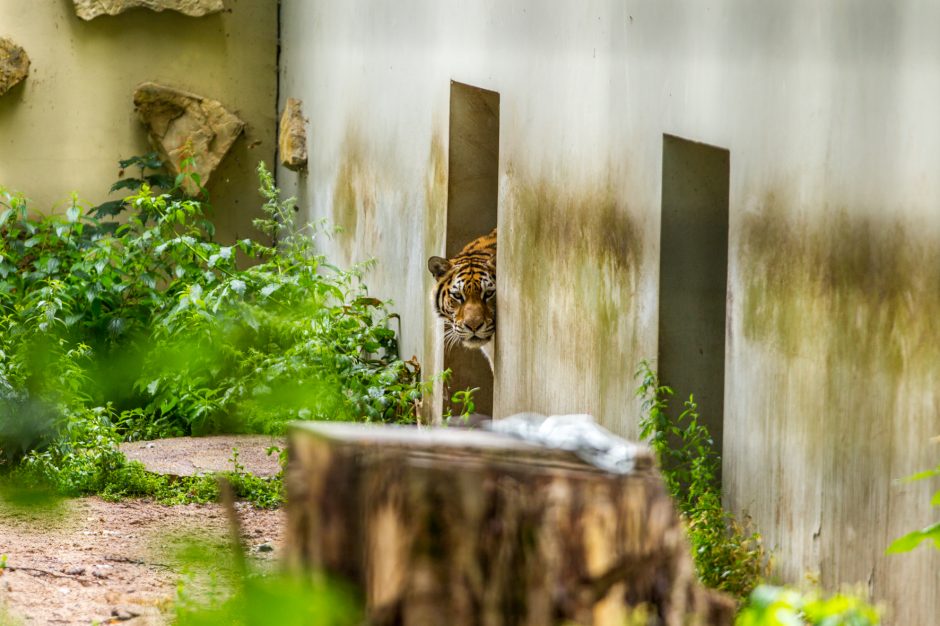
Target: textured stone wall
65,127
90,9
14,64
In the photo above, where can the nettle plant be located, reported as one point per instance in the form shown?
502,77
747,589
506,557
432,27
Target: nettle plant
728,556
146,326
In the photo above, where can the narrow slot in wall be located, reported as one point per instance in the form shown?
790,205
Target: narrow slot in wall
693,277
472,191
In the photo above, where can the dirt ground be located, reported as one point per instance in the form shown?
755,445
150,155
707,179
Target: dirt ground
188,456
103,562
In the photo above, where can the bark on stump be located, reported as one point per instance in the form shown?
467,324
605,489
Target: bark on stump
458,527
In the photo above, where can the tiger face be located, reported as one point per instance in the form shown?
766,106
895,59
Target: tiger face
465,295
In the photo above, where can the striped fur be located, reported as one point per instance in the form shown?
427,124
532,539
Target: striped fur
465,296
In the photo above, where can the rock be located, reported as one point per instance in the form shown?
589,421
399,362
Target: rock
90,9
14,64
123,615
75,571
182,124
292,140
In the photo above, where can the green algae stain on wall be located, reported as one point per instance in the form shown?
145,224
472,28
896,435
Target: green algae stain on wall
435,216
573,267
354,187
841,309
861,291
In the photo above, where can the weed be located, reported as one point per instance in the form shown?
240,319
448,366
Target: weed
728,556
463,401
781,606
931,533
147,327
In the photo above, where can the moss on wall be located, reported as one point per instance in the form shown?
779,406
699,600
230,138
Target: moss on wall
435,202
569,264
841,311
354,187
864,291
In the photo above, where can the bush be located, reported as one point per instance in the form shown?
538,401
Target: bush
727,555
147,327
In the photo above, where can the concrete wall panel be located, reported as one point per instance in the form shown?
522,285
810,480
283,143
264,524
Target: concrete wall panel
828,111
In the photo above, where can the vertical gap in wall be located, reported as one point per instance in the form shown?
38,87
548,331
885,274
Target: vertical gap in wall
275,170
693,276
472,190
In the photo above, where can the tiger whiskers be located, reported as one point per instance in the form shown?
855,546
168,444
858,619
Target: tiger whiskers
451,336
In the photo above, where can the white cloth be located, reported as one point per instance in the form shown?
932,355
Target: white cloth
577,433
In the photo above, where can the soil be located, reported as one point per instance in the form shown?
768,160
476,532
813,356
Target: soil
189,456
104,562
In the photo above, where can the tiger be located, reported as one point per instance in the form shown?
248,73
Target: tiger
465,295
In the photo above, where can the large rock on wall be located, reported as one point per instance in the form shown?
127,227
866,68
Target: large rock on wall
292,139
181,124
90,9
14,64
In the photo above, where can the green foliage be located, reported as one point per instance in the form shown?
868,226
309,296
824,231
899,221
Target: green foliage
150,173
290,337
147,327
84,457
219,586
463,401
931,533
781,606
279,599
86,460
263,493
727,555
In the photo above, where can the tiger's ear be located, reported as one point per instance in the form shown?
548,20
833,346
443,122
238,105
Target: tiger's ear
438,266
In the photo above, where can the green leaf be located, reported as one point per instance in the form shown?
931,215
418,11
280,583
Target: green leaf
922,475
126,163
268,289
108,209
162,181
127,183
911,540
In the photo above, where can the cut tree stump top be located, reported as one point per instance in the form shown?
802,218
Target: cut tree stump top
194,456
457,445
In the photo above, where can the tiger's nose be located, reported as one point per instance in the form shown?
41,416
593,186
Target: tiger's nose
473,325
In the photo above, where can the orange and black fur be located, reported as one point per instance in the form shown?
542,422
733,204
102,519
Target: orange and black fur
465,296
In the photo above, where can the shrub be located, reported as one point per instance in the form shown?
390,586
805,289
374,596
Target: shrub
148,327
728,556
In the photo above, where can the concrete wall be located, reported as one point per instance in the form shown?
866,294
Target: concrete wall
66,126
829,113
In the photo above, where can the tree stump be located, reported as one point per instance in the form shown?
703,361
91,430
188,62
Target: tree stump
461,527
